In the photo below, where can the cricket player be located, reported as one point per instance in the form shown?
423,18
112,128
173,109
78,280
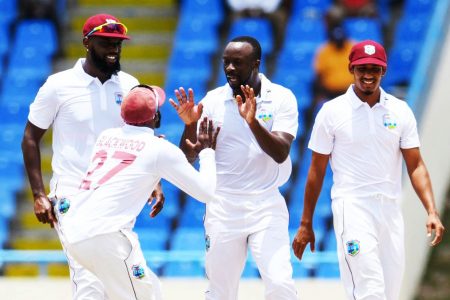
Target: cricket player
78,104
364,134
125,166
259,121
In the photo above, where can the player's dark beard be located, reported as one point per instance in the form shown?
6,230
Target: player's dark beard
237,89
103,66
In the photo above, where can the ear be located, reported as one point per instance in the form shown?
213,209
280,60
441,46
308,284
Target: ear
157,119
257,63
384,71
86,43
351,69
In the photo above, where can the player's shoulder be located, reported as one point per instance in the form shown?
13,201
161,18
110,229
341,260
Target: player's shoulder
217,94
395,102
336,103
124,76
61,77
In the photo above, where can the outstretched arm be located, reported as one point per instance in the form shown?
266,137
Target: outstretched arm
32,159
305,233
275,144
200,185
421,182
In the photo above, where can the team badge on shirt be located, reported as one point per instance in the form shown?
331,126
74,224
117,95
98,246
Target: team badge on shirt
118,97
63,205
353,247
138,271
389,122
264,115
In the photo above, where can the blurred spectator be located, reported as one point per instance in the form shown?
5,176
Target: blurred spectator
38,9
276,11
358,8
330,63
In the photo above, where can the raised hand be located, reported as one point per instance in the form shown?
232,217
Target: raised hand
206,138
187,110
247,108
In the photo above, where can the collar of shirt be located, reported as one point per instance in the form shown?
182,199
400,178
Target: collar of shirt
129,128
85,77
355,102
264,94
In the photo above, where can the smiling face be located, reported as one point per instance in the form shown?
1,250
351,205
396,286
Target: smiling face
367,78
104,53
240,65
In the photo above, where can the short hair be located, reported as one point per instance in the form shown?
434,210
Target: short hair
253,42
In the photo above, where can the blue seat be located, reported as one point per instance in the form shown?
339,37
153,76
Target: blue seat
411,29
12,175
30,62
415,7
172,198
4,39
196,35
188,60
193,213
152,239
161,221
360,29
329,242
402,60
188,239
310,8
32,33
13,113
258,28
184,269
304,33
299,82
8,203
4,231
211,11
8,10
19,89
187,78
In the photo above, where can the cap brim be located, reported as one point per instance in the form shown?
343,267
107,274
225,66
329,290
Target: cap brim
161,94
111,35
368,61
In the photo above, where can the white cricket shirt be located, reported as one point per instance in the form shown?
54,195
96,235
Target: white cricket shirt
125,167
364,143
78,107
243,168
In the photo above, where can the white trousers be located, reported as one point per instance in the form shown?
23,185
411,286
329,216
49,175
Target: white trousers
85,285
117,260
370,245
262,230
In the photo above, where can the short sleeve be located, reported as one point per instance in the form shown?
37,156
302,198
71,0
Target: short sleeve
322,136
286,117
45,106
409,136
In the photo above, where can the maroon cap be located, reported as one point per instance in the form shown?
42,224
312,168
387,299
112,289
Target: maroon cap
367,52
104,25
141,104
